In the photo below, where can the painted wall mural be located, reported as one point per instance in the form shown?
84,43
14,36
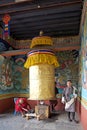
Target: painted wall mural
14,77
68,69
59,43
83,65
4,46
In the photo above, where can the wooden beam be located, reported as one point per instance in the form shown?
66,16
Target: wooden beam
28,1
25,15
46,31
25,51
14,3
14,10
14,52
45,26
45,20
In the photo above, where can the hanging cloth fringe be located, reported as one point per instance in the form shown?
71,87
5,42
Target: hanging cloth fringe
44,57
43,40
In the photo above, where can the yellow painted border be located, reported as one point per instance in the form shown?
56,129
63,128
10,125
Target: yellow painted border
4,96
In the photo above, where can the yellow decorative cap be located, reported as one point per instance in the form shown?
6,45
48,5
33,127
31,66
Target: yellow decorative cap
41,40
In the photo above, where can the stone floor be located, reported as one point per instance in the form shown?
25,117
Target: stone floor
56,122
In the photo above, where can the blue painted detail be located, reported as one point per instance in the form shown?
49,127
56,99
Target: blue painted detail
4,46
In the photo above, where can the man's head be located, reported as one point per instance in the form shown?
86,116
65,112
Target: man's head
69,83
21,101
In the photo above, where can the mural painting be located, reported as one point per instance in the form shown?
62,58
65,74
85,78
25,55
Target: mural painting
68,69
83,65
13,78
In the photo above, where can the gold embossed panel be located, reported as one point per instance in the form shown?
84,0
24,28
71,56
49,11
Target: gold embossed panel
42,82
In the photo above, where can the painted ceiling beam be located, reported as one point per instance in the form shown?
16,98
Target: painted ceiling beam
25,51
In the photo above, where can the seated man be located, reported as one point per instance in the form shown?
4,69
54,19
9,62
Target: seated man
22,106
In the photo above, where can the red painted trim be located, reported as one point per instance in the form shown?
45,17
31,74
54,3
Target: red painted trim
83,115
6,104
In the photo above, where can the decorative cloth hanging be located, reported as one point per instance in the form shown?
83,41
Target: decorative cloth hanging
41,56
6,20
41,40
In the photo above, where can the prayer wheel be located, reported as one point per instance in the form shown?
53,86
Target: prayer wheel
42,82
41,62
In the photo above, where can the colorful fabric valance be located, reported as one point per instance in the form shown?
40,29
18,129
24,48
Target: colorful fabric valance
41,57
41,40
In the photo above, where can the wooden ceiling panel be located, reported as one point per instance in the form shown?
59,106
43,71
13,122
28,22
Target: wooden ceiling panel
54,17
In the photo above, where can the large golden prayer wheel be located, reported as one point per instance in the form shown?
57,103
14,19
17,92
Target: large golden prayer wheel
42,82
41,64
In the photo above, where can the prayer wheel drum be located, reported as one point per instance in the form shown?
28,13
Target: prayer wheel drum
41,62
41,79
